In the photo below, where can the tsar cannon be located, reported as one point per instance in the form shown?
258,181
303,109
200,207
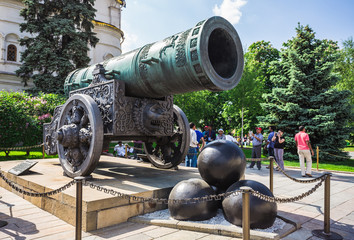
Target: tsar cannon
130,97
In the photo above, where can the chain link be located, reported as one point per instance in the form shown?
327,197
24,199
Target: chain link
20,189
290,199
216,197
298,180
21,148
257,159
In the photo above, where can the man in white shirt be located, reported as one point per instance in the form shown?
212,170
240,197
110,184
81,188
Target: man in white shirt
191,159
119,149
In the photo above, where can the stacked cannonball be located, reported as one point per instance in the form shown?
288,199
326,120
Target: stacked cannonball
221,164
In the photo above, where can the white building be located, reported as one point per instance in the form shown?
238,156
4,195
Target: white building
107,26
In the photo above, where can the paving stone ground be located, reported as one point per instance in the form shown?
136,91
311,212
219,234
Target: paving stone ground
26,221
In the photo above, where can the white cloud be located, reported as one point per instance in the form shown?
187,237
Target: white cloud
230,10
131,42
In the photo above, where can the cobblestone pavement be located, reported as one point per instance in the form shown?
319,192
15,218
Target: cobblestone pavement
26,221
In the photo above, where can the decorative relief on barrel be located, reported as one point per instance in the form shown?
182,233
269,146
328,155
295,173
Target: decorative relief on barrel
200,23
142,66
195,31
194,42
198,68
180,49
194,55
169,43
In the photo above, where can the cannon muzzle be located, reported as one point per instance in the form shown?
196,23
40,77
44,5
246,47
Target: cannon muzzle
208,56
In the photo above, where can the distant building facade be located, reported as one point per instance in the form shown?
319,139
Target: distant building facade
107,25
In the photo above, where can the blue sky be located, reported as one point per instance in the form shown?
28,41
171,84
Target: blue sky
147,21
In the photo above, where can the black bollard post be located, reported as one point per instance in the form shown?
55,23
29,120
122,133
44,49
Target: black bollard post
78,225
246,212
326,233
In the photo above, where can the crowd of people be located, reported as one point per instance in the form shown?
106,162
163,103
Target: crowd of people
274,145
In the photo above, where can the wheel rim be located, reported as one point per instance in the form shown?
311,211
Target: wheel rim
80,136
168,152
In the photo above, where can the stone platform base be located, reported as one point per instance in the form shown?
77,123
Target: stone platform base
99,209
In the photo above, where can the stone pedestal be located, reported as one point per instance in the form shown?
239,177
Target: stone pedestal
99,209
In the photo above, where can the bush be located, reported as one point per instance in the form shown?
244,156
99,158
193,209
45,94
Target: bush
22,116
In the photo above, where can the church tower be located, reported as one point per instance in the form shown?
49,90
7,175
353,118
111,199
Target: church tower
107,25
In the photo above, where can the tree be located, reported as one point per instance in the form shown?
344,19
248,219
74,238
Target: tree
244,101
61,32
345,67
303,94
261,54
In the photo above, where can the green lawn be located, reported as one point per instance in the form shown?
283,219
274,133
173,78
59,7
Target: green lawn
349,149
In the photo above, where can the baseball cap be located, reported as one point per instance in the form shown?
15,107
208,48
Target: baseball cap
206,127
259,128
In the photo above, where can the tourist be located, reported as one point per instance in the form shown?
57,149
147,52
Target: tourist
304,151
221,135
191,159
270,144
279,143
209,134
200,140
119,149
257,146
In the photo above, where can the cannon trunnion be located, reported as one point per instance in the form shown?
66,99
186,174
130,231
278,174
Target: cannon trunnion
130,97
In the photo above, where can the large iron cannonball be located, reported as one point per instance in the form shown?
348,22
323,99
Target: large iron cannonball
192,188
221,163
262,213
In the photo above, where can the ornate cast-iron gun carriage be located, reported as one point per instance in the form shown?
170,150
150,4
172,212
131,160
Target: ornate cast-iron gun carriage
129,97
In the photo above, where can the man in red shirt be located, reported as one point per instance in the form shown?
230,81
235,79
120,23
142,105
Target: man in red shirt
303,145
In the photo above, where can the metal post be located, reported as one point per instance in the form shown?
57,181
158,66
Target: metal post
318,156
327,204
43,150
326,232
271,173
78,225
246,212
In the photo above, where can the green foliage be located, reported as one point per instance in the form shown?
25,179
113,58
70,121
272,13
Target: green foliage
61,32
22,117
304,94
224,109
345,67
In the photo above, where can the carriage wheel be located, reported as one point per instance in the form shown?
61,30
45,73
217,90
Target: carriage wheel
168,152
80,136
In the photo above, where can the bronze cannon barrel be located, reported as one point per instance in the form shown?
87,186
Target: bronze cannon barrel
208,56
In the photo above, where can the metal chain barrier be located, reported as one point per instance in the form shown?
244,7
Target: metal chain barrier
216,197
20,189
205,198
290,199
257,159
21,148
298,180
